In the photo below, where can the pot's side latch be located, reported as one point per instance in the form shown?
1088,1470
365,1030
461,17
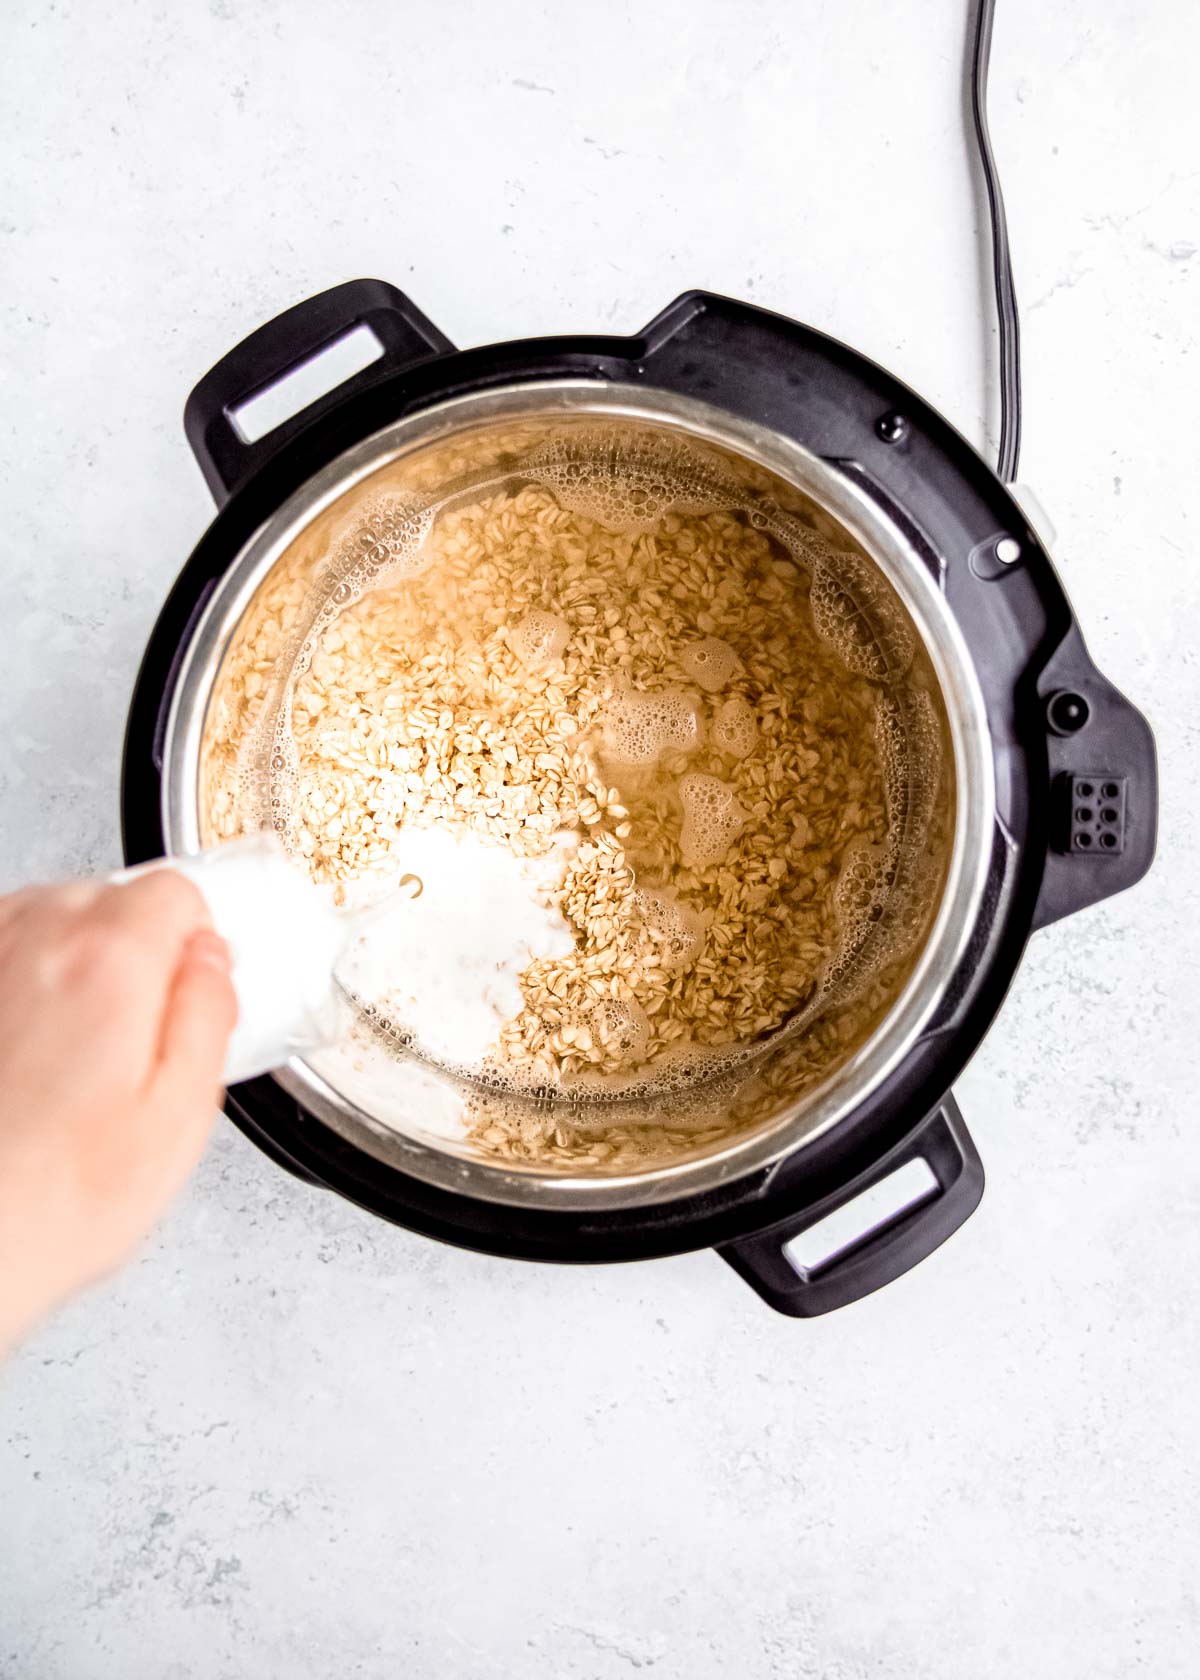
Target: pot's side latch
1103,786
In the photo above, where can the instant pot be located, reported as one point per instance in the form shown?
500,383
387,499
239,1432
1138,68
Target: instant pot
1054,771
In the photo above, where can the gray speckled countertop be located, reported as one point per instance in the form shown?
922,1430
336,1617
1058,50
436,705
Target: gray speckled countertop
290,1441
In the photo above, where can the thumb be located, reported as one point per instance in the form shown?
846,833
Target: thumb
200,1015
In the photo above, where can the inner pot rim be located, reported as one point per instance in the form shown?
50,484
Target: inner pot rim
822,1107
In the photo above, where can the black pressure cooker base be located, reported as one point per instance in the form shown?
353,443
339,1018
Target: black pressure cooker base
750,1223
1052,717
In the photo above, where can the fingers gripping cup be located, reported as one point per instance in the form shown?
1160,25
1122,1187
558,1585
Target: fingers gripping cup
285,937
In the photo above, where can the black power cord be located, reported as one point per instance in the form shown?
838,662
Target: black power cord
1006,300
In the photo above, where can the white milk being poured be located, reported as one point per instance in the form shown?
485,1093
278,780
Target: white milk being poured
444,966
438,958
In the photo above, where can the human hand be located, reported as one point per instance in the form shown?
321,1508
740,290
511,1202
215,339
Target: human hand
116,1008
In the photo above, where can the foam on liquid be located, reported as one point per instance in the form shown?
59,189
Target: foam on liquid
735,728
637,729
539,638
622,1027
673,931
711,663
712,819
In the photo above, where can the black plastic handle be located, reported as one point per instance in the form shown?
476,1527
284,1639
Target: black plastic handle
282,346
882,1254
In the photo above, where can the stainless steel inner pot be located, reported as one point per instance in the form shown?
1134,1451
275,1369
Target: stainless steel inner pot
417,1134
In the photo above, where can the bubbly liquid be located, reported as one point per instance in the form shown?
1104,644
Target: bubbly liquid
667,805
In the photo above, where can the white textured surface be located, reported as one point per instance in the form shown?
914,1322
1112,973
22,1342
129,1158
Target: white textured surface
293,1442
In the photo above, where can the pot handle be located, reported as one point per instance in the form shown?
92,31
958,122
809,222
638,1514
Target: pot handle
884,1251
283,346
